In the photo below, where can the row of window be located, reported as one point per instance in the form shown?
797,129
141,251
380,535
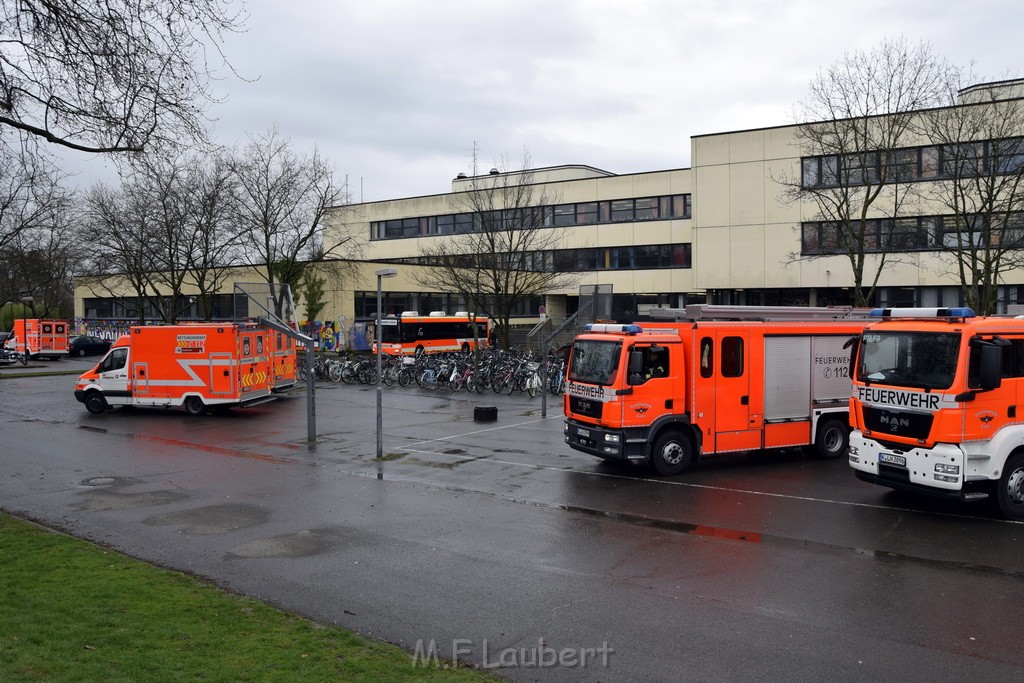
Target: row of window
964,160
560,215
643,257
395,302
913,234
225,307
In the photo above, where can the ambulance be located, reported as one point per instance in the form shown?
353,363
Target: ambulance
938,405
36,337
195,366
724,379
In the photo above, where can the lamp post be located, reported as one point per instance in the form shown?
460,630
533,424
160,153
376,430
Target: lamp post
381,274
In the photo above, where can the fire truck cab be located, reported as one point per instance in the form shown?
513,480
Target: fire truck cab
675,392
938,405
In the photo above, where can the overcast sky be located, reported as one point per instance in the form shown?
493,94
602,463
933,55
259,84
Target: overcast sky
396,93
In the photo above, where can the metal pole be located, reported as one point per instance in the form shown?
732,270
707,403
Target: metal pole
310,394
380,420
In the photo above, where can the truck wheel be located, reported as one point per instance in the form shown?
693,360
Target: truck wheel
194,405
1011,488
95,403
833,439
672,454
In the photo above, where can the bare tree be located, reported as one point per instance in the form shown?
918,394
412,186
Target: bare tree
117,232
863,111
30,189
283,197
979,159
161,183
38,265
212,245
114,76
34,229
171,227
504,255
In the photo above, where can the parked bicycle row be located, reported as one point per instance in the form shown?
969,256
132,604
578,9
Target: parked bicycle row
493,370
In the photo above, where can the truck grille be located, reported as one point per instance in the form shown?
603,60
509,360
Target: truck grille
898,422
585,406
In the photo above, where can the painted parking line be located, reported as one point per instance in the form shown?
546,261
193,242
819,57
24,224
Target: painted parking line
413,448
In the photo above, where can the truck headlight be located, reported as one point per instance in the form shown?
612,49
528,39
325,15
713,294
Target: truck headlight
612,438
947,469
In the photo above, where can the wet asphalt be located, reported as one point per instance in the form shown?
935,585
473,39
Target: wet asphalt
497,544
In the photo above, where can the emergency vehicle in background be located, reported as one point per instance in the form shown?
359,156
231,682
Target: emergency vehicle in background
938,405
412,333
35,337
675,393
196,366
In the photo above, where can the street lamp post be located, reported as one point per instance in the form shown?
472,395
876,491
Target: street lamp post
381,274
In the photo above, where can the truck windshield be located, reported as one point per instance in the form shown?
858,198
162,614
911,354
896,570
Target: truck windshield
909,359
594,362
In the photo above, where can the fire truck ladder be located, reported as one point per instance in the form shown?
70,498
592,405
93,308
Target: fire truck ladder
694,312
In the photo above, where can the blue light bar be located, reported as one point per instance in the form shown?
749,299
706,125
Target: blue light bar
961,312
606,327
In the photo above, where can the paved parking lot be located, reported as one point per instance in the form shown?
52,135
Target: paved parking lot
494,541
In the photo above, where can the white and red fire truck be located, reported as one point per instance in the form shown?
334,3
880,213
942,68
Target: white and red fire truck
938,405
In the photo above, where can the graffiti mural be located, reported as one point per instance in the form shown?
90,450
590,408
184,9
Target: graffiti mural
329,335
104,329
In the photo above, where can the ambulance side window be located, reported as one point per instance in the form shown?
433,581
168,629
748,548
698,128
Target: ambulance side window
707,357
732,357
115,361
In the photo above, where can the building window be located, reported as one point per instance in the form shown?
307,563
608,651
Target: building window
561,215
962,160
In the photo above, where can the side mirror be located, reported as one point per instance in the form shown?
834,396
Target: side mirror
636,364
991,367
853,343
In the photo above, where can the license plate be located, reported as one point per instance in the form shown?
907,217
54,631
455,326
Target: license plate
892,459
582,432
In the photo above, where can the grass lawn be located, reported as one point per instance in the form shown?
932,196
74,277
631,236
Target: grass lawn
70,610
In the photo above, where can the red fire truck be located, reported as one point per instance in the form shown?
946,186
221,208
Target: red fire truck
729,378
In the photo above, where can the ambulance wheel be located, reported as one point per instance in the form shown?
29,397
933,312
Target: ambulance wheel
672,454
194,405
1011,488
95,403
833,439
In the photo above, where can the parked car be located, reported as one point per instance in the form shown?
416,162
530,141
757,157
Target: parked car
88,345
7,353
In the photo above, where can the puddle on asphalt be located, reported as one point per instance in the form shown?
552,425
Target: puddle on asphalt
105,494
106,499
213,519
301,544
